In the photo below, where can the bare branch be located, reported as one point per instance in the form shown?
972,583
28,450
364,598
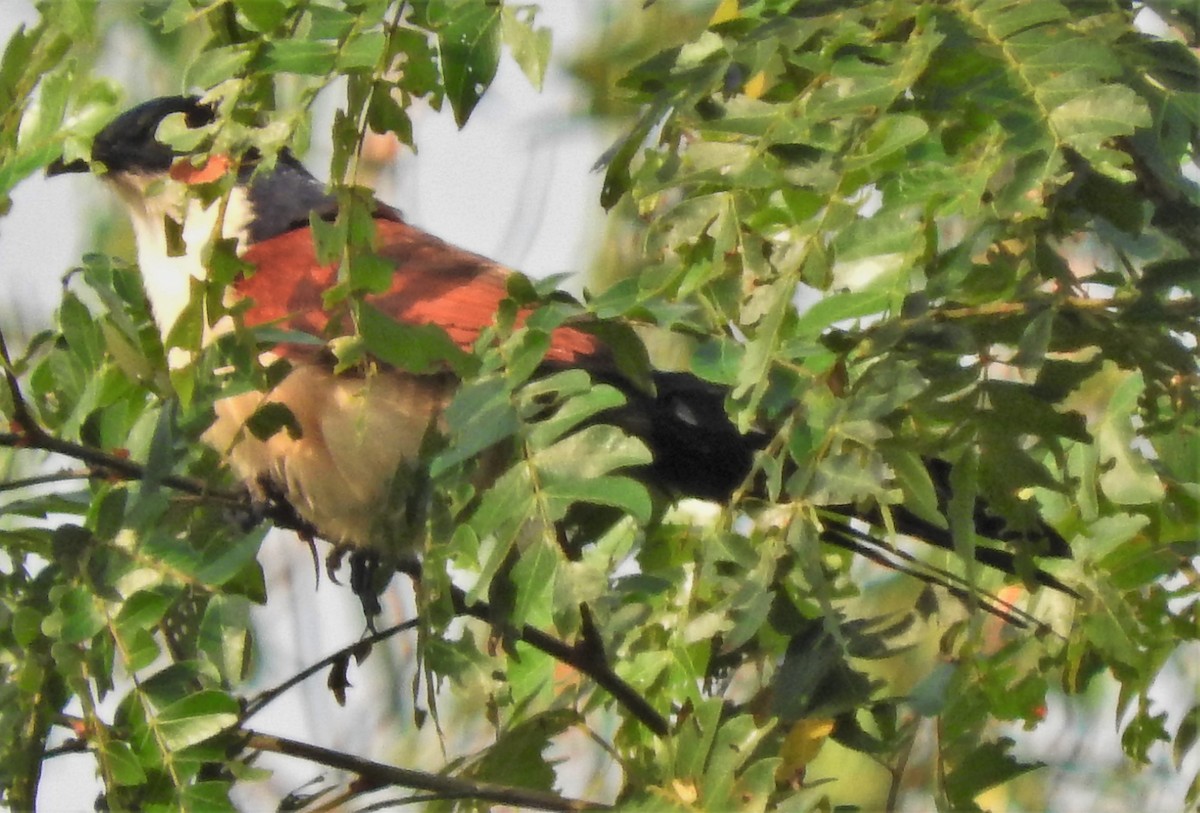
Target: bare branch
63,476
380,775
256,703
587,656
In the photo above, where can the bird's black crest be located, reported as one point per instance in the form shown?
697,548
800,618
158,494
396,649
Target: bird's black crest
128,143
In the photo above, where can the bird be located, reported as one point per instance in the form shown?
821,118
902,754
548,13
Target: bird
351,432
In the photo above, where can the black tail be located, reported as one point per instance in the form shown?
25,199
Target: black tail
698,452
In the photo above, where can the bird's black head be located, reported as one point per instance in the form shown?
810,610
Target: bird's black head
130,144
276,201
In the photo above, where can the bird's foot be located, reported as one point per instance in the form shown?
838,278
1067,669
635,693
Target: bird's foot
269,502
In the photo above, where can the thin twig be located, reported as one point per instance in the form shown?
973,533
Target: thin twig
877,551
256,703
898,773
67,748
31,435
416,799
586,657
381,775
64,476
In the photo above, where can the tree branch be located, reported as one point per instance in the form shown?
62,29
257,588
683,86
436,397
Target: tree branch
1179,308
64,476
587,656
105,464
381,775
583,657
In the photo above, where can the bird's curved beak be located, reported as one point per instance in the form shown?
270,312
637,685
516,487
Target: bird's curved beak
60,167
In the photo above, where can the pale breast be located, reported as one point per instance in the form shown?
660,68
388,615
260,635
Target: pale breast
355,432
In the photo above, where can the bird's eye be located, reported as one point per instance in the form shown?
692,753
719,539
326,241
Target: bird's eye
180,132
199,116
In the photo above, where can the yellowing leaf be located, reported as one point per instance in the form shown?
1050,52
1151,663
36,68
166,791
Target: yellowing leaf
726,10
757,84
686,791
801,746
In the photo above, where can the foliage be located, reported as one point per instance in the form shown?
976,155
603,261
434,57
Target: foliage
982,205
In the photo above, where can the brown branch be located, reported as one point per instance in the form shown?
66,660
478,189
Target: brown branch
897,772
104,464
587,656
380,775
64,476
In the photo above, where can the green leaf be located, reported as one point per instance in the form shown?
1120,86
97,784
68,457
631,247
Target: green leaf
386,115
1127,477
1035,340
930,696
215,65
617,158
576,469
263,15
535,578
76,619
518,757
143,610
912,475
984,767
815,679
222,563
273,417
504,509
529,46
206,796
1096,115
469,47
26,625
304,57
887,137
224,636
362,53
413,348
841,306
196,718
585,402
480,416
121,763
328,23
736,742
138,649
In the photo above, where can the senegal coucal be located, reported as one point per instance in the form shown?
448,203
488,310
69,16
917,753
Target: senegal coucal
353,431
